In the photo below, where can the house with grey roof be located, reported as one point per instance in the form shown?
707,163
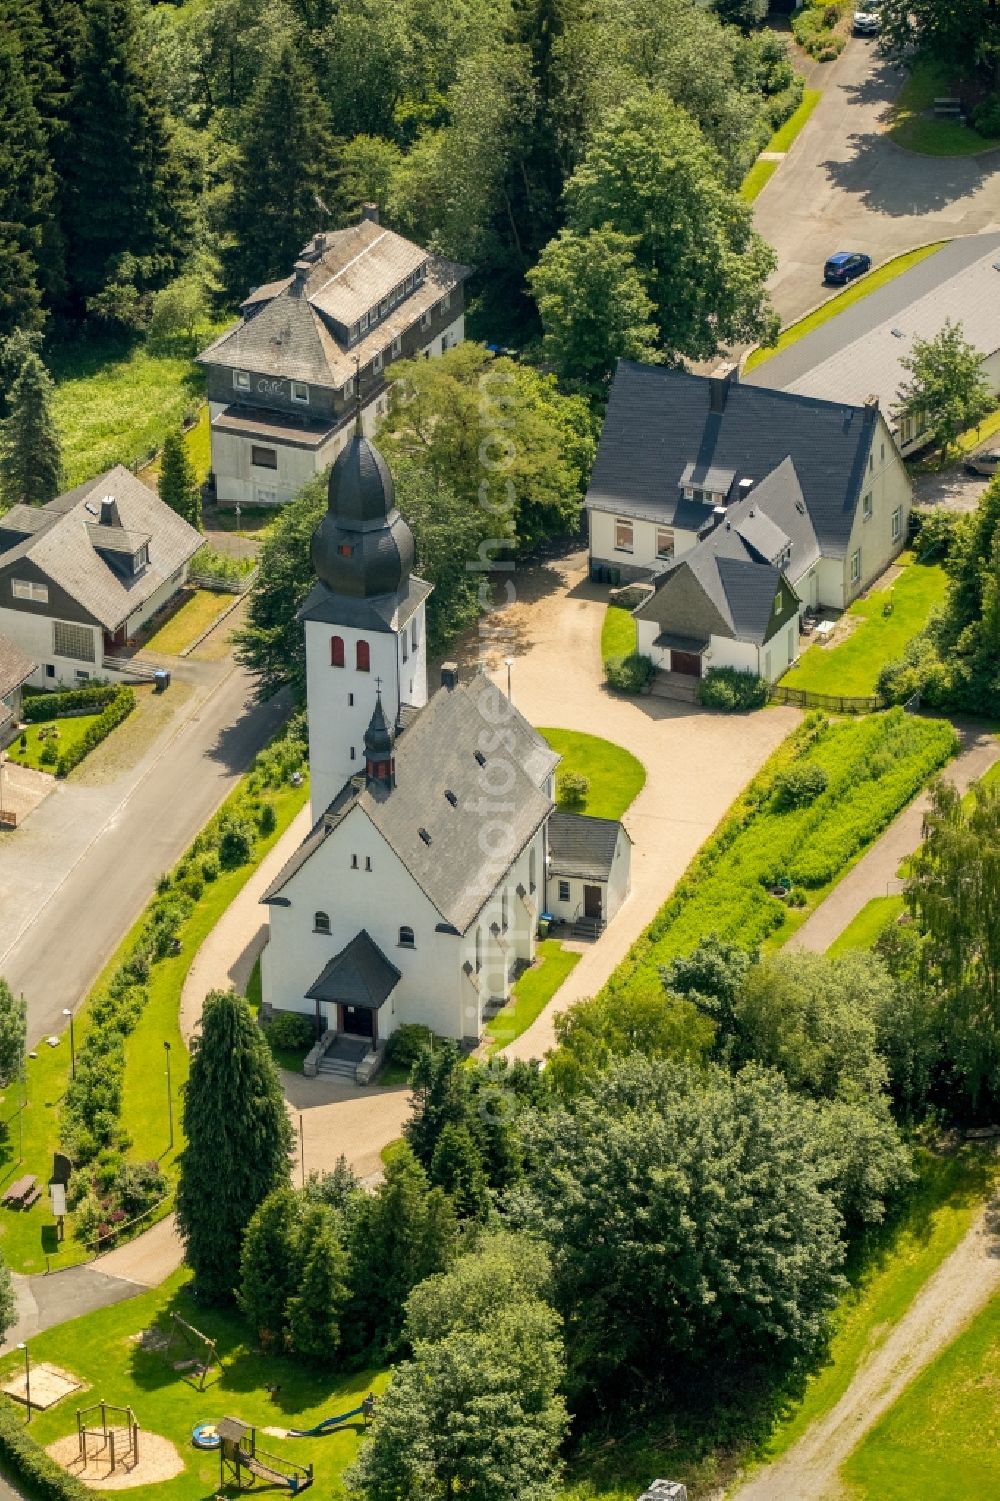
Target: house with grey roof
80,575
858,355
15,670
416,894
284,383
763,497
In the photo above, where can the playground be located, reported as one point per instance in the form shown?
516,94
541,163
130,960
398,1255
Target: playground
152,1370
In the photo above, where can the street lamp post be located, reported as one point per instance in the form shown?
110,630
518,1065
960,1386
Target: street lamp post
27,1378
72,1040
170,1098
508,663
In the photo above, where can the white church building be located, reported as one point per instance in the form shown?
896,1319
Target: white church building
417,893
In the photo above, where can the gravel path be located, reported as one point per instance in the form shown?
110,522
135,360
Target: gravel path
961,1286
876,874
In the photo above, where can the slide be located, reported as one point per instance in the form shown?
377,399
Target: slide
293,1483
329,1424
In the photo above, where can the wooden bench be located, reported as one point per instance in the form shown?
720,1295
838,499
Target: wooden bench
31,1199
948,107
21,1191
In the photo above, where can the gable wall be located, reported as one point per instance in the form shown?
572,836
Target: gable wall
61,606
886,480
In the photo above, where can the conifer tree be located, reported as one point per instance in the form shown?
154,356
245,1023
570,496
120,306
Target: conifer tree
283,188
26,193
457,1167
30,454
178,485
238,1142
123,187
315,1308
267,1267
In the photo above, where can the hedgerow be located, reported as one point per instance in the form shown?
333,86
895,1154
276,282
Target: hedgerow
24,1462
44,706
118,710
873,767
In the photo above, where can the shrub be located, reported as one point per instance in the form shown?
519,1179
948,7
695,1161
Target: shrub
573,789
629,674
799,786
267,819
49,754
986,116
407,1043
24,1462
210,868
118,710
44,706
733,691
208,562
236,844
291,1032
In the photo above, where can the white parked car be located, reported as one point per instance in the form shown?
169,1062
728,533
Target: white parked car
867,20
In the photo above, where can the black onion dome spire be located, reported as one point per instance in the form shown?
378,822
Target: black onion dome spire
362,547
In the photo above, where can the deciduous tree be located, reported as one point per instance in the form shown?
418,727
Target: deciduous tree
13,1032
947,391
238,1142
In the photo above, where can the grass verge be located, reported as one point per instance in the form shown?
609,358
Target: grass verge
973,436
873,767
266,1390
196,614
852,668
842,300
618,633
756,180
531,993
616,777
786,134
925,133
942,1437
864,930
69,732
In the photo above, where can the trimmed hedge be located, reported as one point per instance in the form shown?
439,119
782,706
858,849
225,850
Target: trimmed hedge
30,1467
42,706
732,691
629,674
116,712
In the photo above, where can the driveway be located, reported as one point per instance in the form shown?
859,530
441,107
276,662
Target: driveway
844,185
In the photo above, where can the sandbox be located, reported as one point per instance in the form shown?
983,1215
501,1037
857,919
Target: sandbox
49,1385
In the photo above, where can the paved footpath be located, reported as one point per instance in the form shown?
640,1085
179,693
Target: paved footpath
876,874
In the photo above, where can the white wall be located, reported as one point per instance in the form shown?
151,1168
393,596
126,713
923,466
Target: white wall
156,601
34,635
411,660
643,555
888,483
613,891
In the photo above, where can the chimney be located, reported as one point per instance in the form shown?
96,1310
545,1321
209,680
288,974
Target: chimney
109,512
449,675
872,401
718,386
300,275
369,211
319,244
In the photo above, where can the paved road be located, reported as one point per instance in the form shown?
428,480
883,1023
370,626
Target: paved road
845,185
90,856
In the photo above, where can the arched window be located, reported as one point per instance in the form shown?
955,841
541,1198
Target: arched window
364,657
321,922
479,949
406,938
336,651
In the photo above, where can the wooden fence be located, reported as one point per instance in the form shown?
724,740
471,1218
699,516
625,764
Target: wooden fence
836,703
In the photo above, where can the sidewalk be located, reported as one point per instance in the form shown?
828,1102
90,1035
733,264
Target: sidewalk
875,872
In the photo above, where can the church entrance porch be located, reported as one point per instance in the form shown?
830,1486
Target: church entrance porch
352,988
357,1021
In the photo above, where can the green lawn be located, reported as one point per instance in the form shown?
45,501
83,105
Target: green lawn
874,917
616,777
940,1208
757,178
198,441
916,130
834,305
617,633
532,993
102,1349
853,667
786,134
38,736
115,402
199,611
942,1437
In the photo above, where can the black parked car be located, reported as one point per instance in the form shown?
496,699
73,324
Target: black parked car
846,266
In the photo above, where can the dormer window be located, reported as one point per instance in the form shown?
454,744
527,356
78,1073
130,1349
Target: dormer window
397,347
364,321
348,390
241,380
141,558
425,318
300,392
352,333
383,307
377,363
408,284
446,302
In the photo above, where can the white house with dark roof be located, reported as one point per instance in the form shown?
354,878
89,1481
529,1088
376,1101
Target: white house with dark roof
283,384
859,353
755,492
15,670
80,575
416,895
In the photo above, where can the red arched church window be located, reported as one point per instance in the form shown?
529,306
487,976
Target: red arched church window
336,651
364,657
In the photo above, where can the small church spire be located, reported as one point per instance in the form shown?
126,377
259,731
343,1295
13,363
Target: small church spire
380,763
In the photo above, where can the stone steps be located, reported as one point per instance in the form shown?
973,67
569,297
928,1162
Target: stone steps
675,685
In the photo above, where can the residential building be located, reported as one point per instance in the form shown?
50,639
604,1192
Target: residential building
15,670
284,383
80,575
813,493
860,352
416,895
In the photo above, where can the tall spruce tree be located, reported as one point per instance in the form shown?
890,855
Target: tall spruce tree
124,190
314,1309
178,484
283,187
30,451
238,1142
26,193
267,1267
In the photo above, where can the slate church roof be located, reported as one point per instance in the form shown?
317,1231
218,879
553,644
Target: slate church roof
665,428
85,542
434,816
